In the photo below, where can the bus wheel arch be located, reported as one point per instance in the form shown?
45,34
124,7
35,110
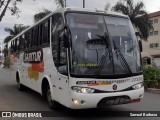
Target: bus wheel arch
46,92
44,86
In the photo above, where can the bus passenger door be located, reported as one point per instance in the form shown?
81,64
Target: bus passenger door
62,72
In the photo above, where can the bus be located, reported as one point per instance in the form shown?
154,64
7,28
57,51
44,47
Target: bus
79,58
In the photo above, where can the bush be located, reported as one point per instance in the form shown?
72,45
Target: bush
151,76
6,63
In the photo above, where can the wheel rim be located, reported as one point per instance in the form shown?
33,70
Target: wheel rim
49,97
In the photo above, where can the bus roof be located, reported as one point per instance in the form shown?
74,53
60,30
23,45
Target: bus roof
71,9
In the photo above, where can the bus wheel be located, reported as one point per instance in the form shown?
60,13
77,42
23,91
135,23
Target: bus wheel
52,104
19,85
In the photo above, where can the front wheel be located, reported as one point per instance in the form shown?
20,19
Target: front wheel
52,103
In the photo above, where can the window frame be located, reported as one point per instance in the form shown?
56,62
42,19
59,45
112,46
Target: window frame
154,45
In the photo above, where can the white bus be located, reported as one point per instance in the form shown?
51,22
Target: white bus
80,58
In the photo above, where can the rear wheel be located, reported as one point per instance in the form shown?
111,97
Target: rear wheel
52,103
19,85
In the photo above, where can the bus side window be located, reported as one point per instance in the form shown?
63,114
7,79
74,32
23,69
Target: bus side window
23,41
32,38
36,36
62,66
20,43
46,32
11,46
57,23
17,45
62,53
54,39
15,48
28,39
40,34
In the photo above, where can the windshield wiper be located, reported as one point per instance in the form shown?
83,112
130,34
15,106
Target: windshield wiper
105,38
122,59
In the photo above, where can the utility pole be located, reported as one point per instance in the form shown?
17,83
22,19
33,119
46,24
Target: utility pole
83,3
65,3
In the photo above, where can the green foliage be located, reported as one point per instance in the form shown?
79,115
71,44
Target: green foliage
41,14
60,3
7,63
18,28
44,12
137,15
9,5
151,76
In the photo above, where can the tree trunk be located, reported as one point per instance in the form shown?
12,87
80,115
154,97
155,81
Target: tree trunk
4,10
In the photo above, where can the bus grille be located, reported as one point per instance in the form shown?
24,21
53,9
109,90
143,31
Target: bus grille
116,100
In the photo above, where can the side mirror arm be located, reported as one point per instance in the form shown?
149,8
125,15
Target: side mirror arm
140,46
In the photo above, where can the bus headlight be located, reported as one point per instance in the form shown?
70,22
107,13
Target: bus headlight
83,90
137,86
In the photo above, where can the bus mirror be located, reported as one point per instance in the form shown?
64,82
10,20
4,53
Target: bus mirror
140,46
138,34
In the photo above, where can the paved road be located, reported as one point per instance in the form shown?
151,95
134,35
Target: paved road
13,100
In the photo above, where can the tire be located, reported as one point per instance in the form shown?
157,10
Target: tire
51,103
19,85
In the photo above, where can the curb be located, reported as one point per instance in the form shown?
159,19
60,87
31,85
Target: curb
153,90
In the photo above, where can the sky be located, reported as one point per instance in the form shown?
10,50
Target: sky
30,7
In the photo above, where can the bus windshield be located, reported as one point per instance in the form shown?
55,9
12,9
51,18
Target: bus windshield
102,45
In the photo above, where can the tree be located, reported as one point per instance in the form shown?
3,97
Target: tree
8,5
61,3
41,14
107,7
13,32
44,12
137,15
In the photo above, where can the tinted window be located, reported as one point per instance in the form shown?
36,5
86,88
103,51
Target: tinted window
17,45
21,46
35,36
28,39
40,34
13,45
62,66
46,29
57,24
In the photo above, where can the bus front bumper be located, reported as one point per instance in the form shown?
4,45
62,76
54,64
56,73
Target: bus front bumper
83,101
